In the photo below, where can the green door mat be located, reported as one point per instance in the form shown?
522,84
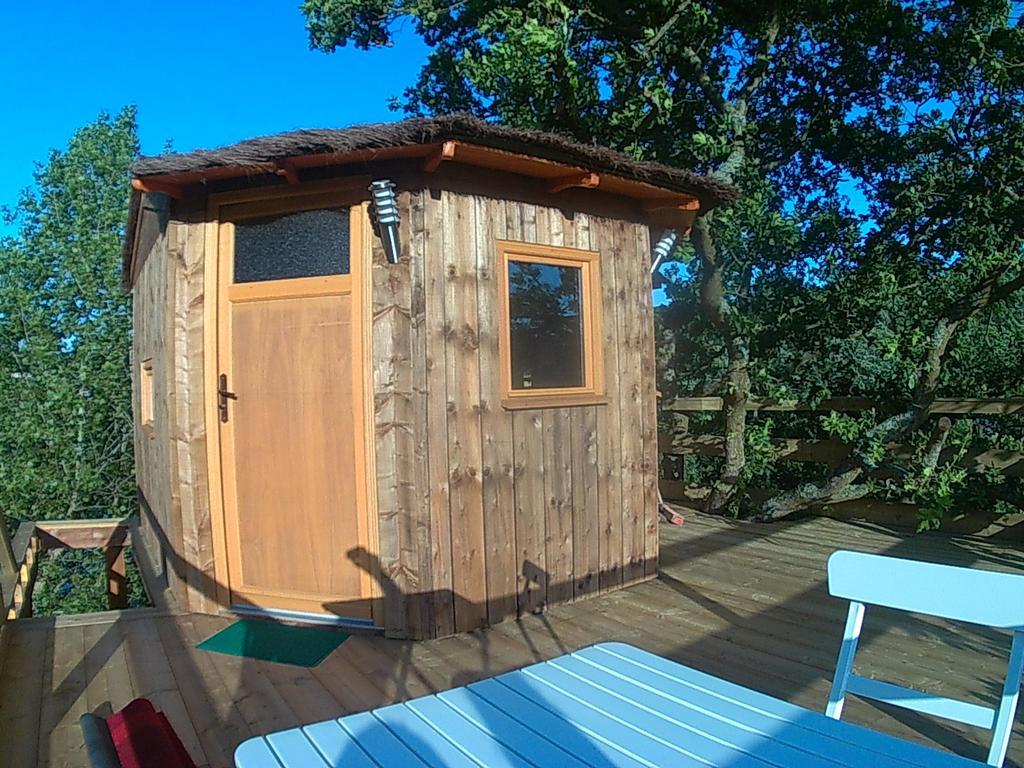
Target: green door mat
269,641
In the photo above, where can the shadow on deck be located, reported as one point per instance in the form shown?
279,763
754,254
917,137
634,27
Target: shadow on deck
745,602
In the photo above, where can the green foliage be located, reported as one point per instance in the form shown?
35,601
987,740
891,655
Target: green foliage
761,452
916,109
65,335
845,427
71,581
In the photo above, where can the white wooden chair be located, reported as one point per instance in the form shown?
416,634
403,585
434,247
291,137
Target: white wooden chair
961,594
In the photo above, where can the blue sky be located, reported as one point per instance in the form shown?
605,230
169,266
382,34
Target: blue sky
202,74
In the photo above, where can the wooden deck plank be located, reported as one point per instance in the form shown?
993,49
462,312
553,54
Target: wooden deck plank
393,671
347,681
219,726
109,682
21,688
744,602
239,683
153,679
64,699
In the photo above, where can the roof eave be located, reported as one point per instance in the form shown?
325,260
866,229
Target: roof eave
184,183
664,203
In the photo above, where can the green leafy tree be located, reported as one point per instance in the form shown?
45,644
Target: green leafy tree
65,334
71,581
914,106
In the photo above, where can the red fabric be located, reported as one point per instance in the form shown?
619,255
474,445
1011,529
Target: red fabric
144,738
180,753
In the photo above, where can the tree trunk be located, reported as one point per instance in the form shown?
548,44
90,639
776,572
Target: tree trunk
841,486
718,313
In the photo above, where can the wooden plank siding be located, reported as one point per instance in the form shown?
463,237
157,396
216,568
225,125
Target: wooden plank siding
462,360
171,466
152,341
420,608
648,410
521,508
394,439
498,458
482,513
437,418
609,448
630,319
188,426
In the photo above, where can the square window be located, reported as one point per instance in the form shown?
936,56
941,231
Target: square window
550,346
545,325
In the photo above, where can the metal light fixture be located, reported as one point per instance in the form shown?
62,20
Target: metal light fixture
385,217
663,248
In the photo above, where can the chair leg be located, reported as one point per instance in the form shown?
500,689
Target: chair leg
1003,723
844,666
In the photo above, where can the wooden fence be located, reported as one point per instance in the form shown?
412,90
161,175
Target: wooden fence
941,406
678,442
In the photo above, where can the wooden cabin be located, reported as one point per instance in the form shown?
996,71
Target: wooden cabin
427,446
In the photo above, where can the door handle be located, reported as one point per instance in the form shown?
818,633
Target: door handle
223,395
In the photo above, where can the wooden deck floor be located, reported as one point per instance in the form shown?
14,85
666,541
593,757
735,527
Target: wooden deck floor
742,601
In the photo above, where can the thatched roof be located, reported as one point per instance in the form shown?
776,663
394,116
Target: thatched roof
259,155
267,155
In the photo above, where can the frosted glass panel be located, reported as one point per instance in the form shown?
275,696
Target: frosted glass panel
303,244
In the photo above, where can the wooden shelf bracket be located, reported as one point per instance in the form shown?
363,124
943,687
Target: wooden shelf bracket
445,152
587,180
679,203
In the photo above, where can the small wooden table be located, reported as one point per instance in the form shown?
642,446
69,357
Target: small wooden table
607,705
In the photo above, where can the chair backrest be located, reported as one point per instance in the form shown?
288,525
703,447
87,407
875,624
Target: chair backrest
962,594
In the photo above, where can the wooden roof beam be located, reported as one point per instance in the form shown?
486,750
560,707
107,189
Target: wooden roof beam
445,152
586,180
673,212
158,186
82,534
680,203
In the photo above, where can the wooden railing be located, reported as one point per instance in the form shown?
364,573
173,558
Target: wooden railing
678,442
19,558
941,406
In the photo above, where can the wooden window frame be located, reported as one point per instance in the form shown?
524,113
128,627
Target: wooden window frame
588,262
289,287
146,396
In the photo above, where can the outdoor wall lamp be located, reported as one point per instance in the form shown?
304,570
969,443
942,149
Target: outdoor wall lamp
663,248
385,218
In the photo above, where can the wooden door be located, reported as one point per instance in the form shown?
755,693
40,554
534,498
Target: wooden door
291,409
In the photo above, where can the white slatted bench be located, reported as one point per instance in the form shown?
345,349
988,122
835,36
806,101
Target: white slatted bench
614,705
